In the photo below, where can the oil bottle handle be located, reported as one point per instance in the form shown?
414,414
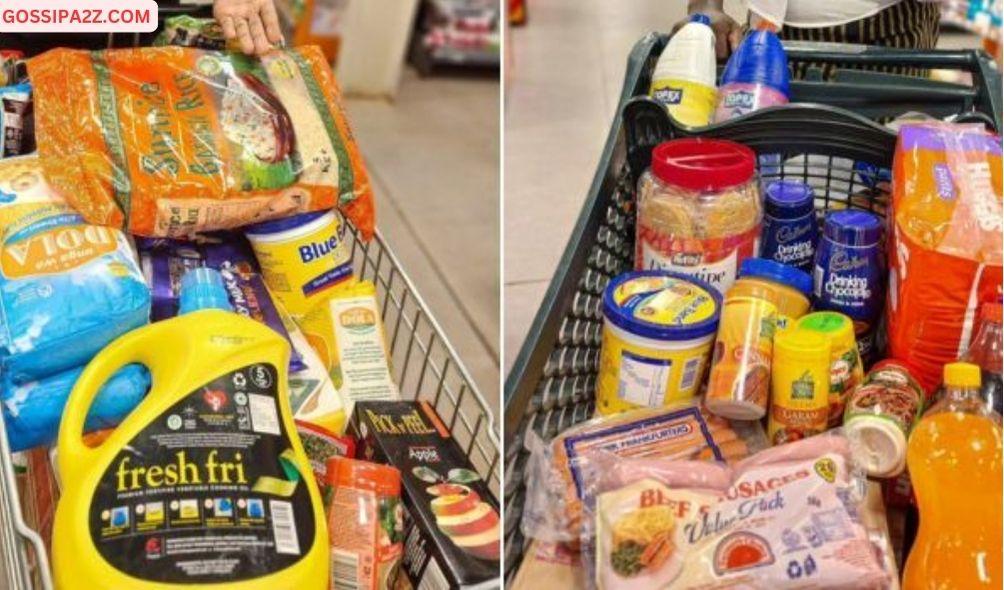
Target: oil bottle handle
137,346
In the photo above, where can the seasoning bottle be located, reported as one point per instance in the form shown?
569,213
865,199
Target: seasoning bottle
800,384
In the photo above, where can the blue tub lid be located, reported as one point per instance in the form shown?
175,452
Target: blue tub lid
772,270
662,305
853,227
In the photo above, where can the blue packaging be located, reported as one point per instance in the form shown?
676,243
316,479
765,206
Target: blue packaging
32,411
790,232
165,262
67,288
849,275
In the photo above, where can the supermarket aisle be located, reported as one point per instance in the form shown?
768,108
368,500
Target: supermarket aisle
564,113
433,154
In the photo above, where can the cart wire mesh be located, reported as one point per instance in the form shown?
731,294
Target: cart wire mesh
837,148
425,367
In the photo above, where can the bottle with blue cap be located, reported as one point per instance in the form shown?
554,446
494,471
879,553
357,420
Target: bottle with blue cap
790,231
755,77
684,76
849,273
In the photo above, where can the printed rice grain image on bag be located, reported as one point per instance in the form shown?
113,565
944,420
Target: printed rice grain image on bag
752,295
248,306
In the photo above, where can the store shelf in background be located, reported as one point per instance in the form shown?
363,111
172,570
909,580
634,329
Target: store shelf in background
457,33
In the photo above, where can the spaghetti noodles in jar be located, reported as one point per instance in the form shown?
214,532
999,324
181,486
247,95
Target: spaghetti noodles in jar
699,210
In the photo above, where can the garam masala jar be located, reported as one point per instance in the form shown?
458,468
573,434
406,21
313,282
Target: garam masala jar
699,210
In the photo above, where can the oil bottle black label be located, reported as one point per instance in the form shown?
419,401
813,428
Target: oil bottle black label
208,492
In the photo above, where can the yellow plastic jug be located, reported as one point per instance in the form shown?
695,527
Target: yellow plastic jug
203,484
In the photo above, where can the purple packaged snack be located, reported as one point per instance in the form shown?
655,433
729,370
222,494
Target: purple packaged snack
165,261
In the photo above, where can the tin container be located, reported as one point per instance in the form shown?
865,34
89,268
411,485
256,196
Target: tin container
880,414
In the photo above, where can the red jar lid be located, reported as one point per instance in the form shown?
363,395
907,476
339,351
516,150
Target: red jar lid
703,164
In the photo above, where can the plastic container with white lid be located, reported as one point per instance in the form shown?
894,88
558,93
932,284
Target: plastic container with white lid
657,333
301,257
699,210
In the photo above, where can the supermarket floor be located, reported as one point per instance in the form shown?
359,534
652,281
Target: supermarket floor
433,154
565,73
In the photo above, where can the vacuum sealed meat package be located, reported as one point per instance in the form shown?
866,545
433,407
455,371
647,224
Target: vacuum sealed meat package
67,288
945,256
787,517
173,141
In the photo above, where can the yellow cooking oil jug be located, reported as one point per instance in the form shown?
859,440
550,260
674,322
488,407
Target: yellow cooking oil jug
205,484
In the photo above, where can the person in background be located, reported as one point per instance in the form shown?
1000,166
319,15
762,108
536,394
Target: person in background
889,23
253,23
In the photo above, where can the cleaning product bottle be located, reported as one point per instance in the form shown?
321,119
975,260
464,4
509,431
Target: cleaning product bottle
755,77
205,484
954,458
684,76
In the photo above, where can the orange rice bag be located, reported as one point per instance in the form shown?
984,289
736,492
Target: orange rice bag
171,141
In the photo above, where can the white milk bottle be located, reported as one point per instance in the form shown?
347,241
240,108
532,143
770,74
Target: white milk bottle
684,76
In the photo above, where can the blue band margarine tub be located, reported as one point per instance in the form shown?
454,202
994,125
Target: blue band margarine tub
657,334
301,257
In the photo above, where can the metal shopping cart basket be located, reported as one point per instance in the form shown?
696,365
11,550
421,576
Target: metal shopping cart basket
832,139
424,364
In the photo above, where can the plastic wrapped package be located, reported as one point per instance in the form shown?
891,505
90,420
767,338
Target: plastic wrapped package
67,288
946,253
171,141
786,517
32,411
165,261
560,473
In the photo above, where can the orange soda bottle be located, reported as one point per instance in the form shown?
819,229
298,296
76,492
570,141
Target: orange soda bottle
954,457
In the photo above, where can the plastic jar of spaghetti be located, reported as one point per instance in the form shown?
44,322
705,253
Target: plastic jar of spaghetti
657,333
699,210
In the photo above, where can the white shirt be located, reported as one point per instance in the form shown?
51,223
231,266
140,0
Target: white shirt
811,14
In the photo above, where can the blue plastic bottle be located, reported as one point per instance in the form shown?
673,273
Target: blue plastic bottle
790,232
755,77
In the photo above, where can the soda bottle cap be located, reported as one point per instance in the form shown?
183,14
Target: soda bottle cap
759,59
700,164
962,375
788,198
853,228
202,288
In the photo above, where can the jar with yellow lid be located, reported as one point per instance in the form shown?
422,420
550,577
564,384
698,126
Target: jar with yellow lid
800,384
657,333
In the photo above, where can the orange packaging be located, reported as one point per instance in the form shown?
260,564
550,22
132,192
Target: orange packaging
945,253
739,384
365,524
171,141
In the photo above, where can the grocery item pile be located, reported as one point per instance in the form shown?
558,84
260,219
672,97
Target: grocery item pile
198,386
785,382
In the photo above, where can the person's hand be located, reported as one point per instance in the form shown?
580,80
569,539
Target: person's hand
728,33
253,23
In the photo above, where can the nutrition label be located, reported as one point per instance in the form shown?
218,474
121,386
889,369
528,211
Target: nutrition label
208,491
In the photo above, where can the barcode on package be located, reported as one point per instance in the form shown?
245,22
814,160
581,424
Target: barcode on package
284,527
689,374
344,570
433,578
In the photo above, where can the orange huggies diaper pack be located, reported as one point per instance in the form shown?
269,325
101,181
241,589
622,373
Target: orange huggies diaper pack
945,253
171,141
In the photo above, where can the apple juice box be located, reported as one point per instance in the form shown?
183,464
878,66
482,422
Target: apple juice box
452,531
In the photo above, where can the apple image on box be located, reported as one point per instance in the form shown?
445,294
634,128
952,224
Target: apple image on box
471,523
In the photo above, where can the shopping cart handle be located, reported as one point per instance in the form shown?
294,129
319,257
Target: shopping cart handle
874,55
